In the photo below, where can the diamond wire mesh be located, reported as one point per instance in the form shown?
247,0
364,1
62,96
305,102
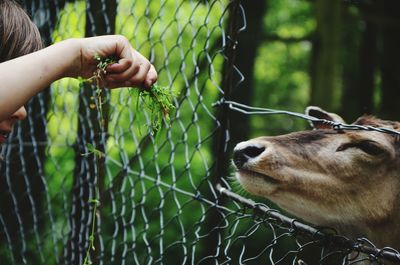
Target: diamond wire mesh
159,204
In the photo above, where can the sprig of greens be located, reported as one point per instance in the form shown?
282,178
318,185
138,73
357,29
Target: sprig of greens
87,260
97,77
92,150
157,99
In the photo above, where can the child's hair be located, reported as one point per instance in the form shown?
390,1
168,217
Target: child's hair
18,34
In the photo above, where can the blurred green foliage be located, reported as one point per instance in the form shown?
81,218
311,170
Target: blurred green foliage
282,66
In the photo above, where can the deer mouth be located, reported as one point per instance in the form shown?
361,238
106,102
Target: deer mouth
246,173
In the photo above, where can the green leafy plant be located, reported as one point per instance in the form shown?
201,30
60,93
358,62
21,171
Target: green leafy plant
157,99
97,77
95,204
92,150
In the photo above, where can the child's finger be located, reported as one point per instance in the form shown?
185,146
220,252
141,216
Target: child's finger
127,74
151,77
118,84
139,78
139,64
119,67
123,48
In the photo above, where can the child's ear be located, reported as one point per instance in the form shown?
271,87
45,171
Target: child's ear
322,114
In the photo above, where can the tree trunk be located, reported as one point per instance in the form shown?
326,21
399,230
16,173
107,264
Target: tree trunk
243,90
325,61
359,65
390,68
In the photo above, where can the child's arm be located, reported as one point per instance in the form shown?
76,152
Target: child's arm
24,77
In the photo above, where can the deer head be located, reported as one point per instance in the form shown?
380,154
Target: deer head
349,180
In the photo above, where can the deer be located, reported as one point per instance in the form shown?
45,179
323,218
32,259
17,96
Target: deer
345,179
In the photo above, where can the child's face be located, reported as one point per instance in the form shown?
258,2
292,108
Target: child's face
7,124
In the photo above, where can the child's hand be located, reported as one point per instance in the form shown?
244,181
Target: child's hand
131,69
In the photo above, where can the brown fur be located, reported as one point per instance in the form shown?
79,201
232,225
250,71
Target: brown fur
349,180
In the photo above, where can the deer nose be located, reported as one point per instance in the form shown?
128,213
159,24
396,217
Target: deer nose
241,156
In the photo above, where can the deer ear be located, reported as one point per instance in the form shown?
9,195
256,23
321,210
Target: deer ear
322,114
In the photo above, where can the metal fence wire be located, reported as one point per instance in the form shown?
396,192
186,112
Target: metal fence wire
162,199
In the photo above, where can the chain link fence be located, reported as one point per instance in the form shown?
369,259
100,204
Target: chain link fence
162,198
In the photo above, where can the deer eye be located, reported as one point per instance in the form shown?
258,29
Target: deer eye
365,146
369,148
